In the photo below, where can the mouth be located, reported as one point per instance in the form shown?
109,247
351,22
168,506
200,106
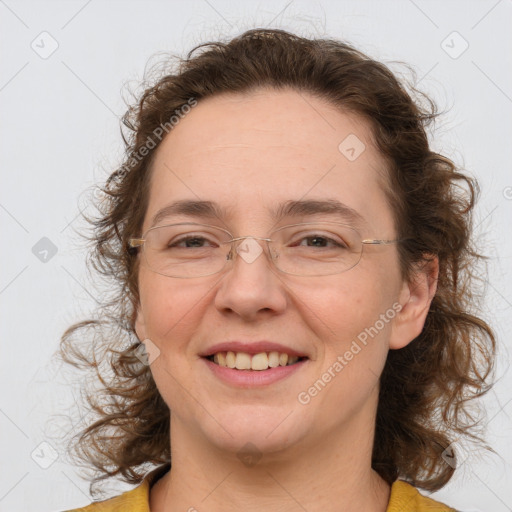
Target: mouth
254,362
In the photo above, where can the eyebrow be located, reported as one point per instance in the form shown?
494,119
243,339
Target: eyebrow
292,208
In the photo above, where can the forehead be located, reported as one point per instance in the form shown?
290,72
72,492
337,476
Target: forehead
251,152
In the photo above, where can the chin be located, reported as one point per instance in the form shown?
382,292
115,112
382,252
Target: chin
260,429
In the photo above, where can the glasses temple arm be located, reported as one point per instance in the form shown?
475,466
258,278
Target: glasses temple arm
136,242
379,242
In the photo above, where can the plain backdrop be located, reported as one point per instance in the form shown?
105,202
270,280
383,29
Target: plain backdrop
64,67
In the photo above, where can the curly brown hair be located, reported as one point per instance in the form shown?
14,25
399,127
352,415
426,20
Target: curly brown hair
425,388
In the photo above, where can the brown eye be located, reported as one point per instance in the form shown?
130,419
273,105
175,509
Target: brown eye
322,241
190,242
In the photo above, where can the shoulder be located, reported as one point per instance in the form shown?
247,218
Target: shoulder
406,498
136,500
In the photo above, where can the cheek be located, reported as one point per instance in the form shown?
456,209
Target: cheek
172,314
353,336
343,307
170,310
353,333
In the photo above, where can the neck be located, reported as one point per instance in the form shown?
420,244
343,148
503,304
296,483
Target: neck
332,475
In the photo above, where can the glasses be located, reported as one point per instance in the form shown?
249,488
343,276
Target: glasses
188,249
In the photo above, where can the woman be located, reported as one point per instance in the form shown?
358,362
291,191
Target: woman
297,264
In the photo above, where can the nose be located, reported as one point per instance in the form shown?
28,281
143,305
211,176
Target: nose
251,286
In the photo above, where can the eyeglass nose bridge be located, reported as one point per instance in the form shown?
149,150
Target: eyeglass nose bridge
250,252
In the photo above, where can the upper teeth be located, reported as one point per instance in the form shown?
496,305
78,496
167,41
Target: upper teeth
261,361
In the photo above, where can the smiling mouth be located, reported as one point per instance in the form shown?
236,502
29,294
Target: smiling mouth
259,362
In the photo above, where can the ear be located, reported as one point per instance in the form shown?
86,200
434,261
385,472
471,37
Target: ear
140,327
415,298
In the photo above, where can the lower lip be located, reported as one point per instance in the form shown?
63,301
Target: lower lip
253,378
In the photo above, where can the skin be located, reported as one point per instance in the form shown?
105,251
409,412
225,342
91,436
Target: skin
248,153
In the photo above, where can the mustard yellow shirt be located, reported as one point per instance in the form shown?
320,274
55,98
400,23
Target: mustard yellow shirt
404,498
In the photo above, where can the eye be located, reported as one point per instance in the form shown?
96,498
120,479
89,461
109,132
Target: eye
321,241
190,242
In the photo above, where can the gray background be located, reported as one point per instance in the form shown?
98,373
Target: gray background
60,134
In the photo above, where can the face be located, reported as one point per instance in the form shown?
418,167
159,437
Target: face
250,153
